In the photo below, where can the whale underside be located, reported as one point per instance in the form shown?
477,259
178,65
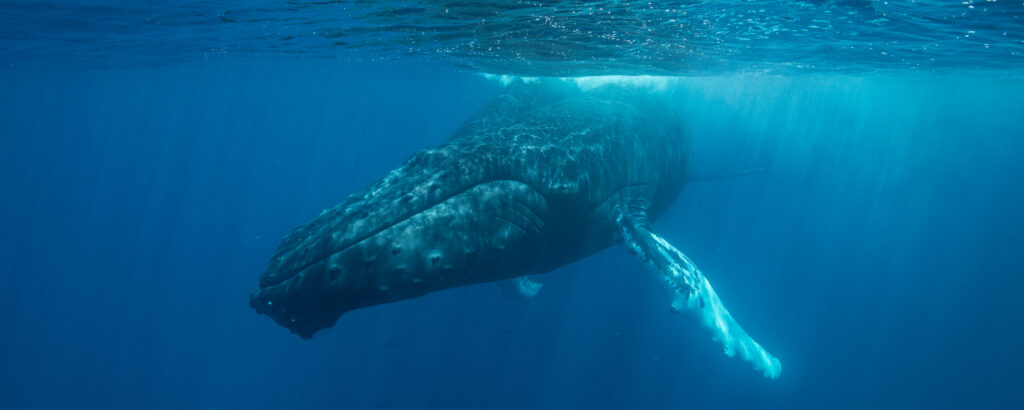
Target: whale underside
545,174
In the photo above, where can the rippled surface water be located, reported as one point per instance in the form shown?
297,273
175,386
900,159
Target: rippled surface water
527,37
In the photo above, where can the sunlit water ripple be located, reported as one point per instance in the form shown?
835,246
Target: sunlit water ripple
527,37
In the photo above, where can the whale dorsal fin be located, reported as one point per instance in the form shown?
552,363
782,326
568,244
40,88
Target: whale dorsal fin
690,291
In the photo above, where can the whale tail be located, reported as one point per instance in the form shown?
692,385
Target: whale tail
690,291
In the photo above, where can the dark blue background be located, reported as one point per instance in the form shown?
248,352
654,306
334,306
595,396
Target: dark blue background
879,258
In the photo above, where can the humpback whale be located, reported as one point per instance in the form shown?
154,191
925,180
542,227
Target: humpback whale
545,174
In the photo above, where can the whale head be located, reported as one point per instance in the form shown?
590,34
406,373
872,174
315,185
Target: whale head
424,228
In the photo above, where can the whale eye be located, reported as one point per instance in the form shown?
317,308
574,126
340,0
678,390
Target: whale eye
396,249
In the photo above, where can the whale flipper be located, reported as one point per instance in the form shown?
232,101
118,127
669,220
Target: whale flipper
690,291
520,288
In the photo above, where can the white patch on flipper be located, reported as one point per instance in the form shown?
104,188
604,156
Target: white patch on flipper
527,287
709,311
519,288
692,293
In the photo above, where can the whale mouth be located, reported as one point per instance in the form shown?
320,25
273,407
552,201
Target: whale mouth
364,216
274,275
456,241
387,202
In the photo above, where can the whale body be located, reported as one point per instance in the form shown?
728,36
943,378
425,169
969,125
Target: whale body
545,174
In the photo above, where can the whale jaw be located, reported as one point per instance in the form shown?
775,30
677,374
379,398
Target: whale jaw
491,231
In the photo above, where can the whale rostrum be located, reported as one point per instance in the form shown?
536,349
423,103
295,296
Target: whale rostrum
545,174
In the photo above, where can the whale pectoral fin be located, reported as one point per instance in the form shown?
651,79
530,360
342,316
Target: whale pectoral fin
520,288
690,291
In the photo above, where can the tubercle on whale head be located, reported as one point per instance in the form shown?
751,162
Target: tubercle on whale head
296,314
486,233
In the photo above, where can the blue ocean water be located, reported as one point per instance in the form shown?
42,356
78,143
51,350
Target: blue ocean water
152,155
